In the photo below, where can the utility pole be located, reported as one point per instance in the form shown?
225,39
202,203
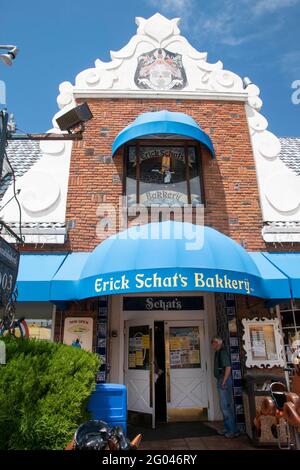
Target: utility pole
9,256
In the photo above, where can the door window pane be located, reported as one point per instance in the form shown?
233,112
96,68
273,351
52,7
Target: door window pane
162,176
139,347
131,186
184,347
194,177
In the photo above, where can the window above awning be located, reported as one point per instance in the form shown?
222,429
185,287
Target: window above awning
163,123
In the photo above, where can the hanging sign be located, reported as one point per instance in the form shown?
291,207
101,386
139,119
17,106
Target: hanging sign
9,264
160,196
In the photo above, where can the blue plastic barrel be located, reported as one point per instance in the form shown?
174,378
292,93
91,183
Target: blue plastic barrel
109,403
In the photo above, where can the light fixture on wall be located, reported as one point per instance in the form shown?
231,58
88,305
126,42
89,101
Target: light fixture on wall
246,82
114,333
74,118
10,55
72,121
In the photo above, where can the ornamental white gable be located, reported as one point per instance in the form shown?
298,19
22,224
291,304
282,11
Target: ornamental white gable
159,62
156,60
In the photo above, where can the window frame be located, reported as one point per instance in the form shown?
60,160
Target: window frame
185,144
292,307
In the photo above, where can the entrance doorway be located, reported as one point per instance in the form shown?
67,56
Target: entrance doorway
165,371
160,372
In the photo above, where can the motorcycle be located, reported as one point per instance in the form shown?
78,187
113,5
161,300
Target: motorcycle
98,435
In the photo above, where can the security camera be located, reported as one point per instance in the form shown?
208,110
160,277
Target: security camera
77,116
11,54
246,82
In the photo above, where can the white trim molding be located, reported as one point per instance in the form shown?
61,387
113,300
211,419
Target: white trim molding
148,94
116,79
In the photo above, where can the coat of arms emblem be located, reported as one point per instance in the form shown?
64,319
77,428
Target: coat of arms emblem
160,70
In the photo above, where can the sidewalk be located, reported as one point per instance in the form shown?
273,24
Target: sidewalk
200,443
215,442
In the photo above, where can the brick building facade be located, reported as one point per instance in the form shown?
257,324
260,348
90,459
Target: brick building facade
69,189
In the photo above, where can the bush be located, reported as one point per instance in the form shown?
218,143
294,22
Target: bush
44,390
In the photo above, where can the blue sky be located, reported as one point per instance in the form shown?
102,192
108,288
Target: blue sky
58,39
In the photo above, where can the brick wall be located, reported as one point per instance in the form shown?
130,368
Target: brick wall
230,185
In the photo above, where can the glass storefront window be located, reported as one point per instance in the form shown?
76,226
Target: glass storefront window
39,328
163,175
290,322
262,340
184,343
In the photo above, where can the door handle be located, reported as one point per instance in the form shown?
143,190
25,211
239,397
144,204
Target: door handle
151,368
168,383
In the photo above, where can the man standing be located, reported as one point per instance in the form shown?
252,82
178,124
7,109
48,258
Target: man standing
222,372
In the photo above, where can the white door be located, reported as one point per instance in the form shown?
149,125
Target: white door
139,367
185,365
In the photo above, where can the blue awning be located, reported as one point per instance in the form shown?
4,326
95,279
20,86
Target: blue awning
66,282
159,257
289,265
162,123
35,276
276,284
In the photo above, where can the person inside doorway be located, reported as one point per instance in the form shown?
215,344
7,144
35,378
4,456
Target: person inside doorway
222,372
157,371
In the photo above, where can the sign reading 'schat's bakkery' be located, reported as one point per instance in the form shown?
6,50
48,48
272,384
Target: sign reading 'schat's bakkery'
175,280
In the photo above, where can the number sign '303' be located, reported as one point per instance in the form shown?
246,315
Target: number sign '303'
9,264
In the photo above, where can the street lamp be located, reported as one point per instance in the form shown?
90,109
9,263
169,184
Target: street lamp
10,55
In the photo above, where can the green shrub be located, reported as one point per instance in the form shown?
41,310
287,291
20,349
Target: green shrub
44,390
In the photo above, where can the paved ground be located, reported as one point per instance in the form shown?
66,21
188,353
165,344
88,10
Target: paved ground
201,443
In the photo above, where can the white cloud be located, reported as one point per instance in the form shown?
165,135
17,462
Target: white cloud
225,22
178,7
290,65
226,26
175,8
261,7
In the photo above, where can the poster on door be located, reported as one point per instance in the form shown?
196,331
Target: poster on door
184,347
78,332
139,347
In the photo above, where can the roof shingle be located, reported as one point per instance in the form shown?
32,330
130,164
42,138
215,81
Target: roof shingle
290,153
